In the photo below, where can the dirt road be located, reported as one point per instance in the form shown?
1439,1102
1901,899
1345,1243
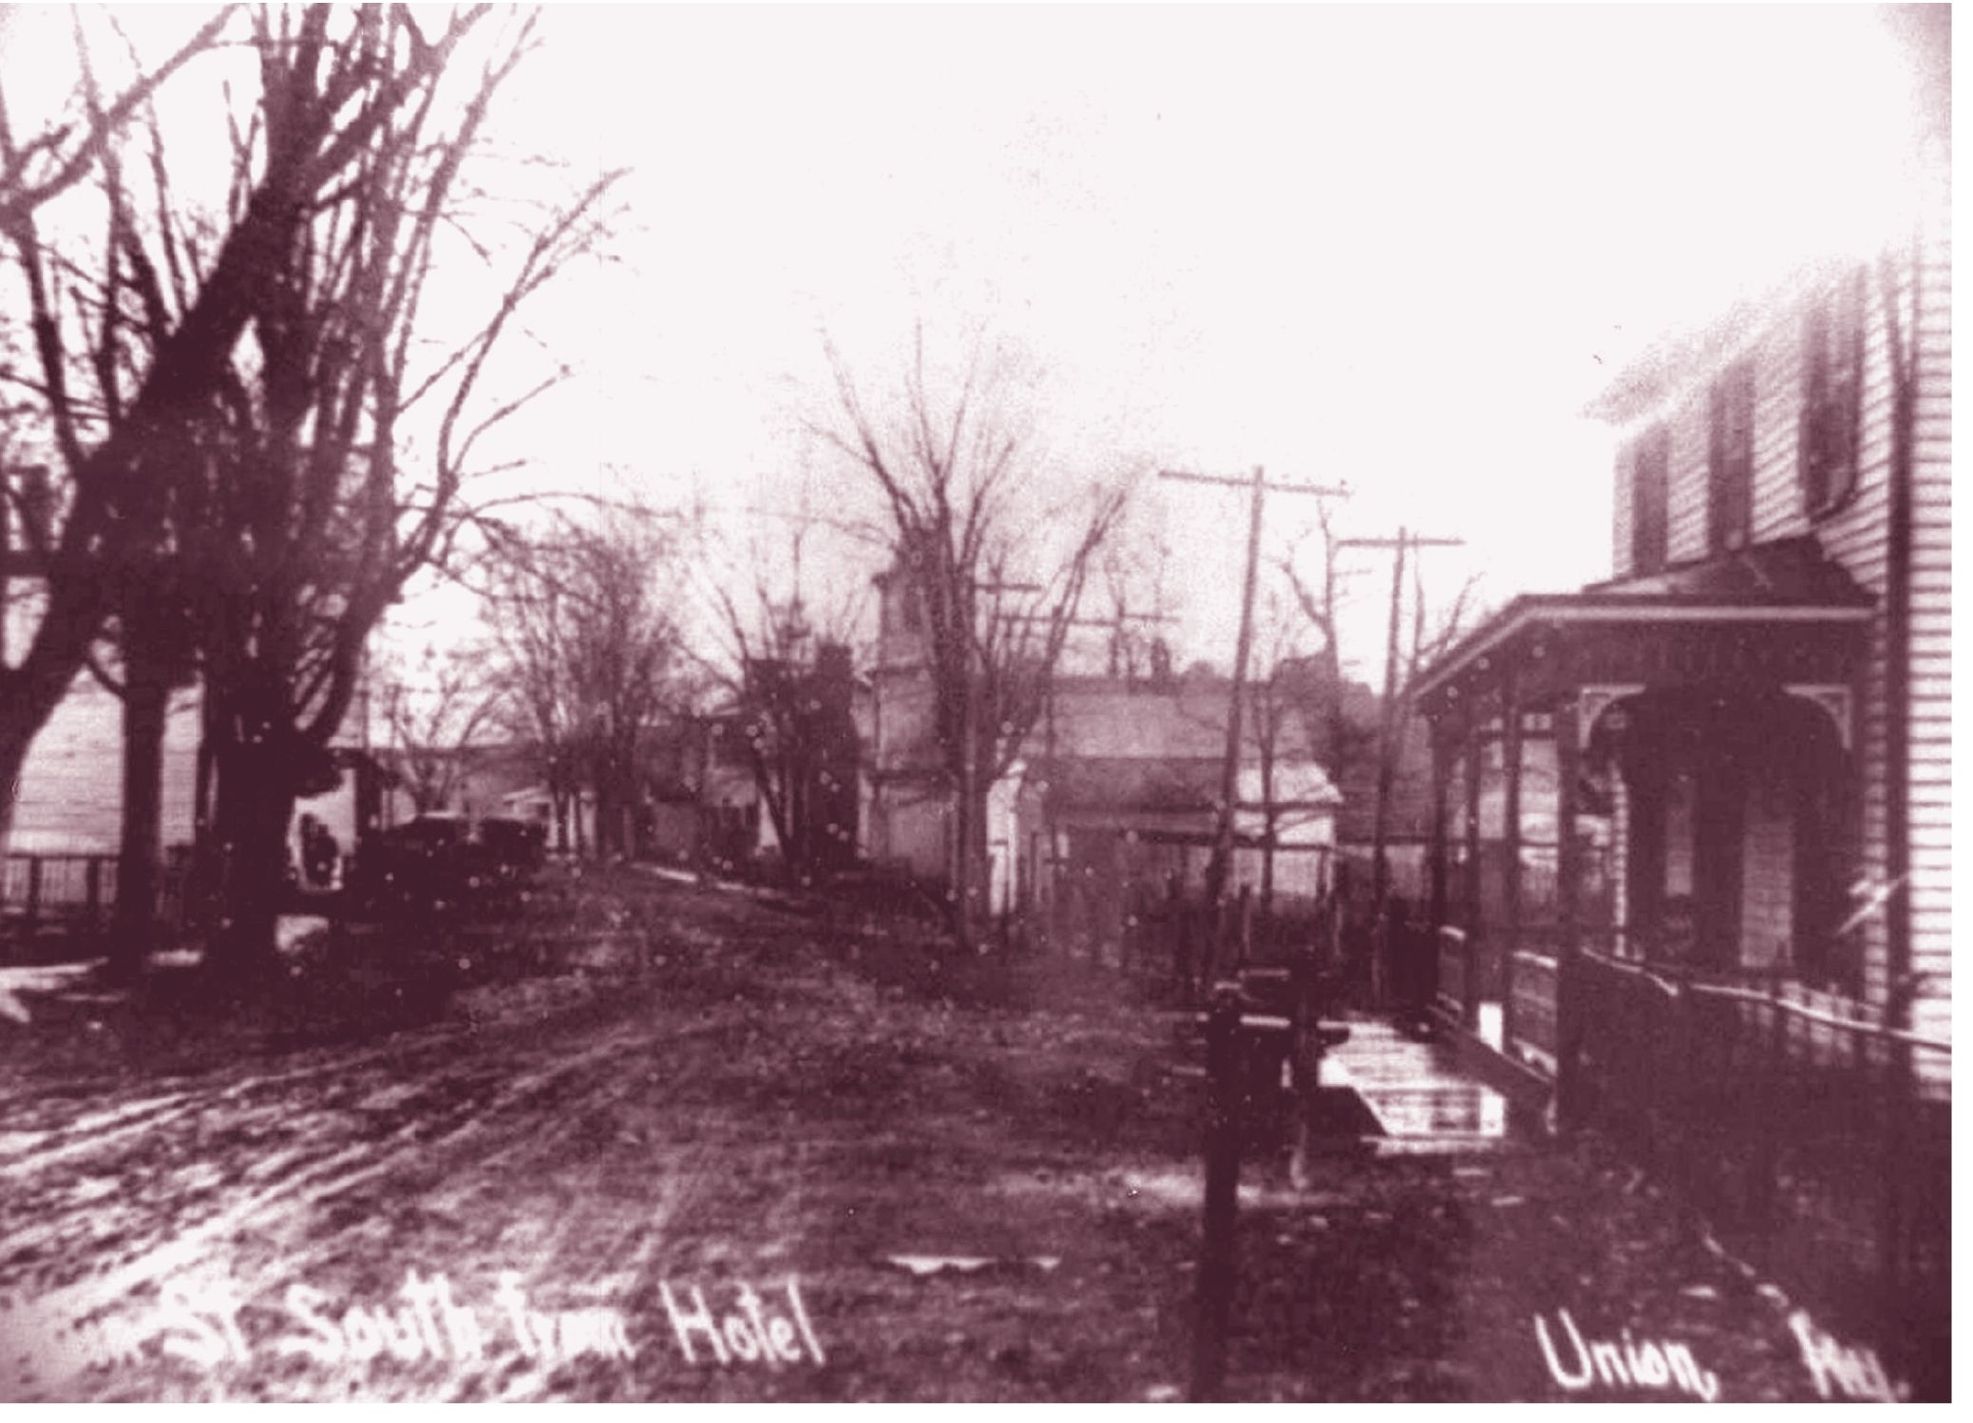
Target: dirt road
669,1143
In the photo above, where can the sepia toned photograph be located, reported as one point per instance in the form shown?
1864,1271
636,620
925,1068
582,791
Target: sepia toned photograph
975,704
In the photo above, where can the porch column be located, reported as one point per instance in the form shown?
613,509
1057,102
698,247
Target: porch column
1568,873
1510,889
1643,768
1437,867
1475,934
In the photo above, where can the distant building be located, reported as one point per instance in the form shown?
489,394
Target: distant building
1343,721
815,699
1114,792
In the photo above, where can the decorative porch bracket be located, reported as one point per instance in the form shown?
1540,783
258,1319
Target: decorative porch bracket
1596,698
1834,699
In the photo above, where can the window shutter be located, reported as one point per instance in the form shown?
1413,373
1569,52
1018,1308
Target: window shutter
1730,458
1832,393
1814,460
1650,461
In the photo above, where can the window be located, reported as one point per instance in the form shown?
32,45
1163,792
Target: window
1540,828
1832,392
1730,465
1650,458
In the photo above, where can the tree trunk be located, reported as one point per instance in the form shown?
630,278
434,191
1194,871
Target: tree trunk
968,873
256,802
958,853
1269,834
15,738
146,698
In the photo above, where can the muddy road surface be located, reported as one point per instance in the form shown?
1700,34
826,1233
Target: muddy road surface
653,1141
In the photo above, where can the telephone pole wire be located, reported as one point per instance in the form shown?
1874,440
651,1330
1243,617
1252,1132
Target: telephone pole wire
1387,748
1218,866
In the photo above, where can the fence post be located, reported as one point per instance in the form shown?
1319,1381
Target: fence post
1216,1252
1307,1047
1469,978
33,893
1181,941
1673,1100
1773,1099
92,880
1901,1094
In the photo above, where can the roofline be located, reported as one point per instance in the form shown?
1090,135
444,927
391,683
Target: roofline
1624,608
1676,358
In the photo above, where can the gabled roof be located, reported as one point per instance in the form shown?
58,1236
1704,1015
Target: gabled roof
1173,784
1107,717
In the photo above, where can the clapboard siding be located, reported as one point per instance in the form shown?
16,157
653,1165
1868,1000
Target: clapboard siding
1855,535
1931,626
71,790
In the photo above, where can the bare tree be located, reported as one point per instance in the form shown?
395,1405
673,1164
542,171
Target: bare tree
1431,637
788,676
997,602
532,606
135,365
37,170
1276,703
1349,744
1343,744
337,459
594,657
433,708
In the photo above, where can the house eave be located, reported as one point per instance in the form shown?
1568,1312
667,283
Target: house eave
1579,609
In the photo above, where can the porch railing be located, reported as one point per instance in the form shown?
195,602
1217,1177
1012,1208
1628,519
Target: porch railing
1455,971
62,889
1805,1134
1531,992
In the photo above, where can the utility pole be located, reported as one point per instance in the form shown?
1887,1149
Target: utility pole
1387,748
996,587
1259,486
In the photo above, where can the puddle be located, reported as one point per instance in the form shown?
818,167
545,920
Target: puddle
1414,1090
1470,1110
1186,1189
923,1265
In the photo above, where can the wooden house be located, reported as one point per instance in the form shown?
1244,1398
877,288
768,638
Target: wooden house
1732,758
1113,793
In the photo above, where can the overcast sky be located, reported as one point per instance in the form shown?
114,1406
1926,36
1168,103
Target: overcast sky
1395,246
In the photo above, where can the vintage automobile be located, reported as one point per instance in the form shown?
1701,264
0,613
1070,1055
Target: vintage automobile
439,861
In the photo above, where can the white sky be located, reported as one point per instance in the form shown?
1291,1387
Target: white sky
1397,246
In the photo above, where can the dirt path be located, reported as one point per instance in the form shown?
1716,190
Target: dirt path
879,1179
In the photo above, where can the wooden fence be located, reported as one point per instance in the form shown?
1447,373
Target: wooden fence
63,903
1806,1137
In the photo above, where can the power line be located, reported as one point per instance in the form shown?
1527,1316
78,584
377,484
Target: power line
1387,750
1259,487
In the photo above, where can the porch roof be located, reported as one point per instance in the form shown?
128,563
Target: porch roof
1787,584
